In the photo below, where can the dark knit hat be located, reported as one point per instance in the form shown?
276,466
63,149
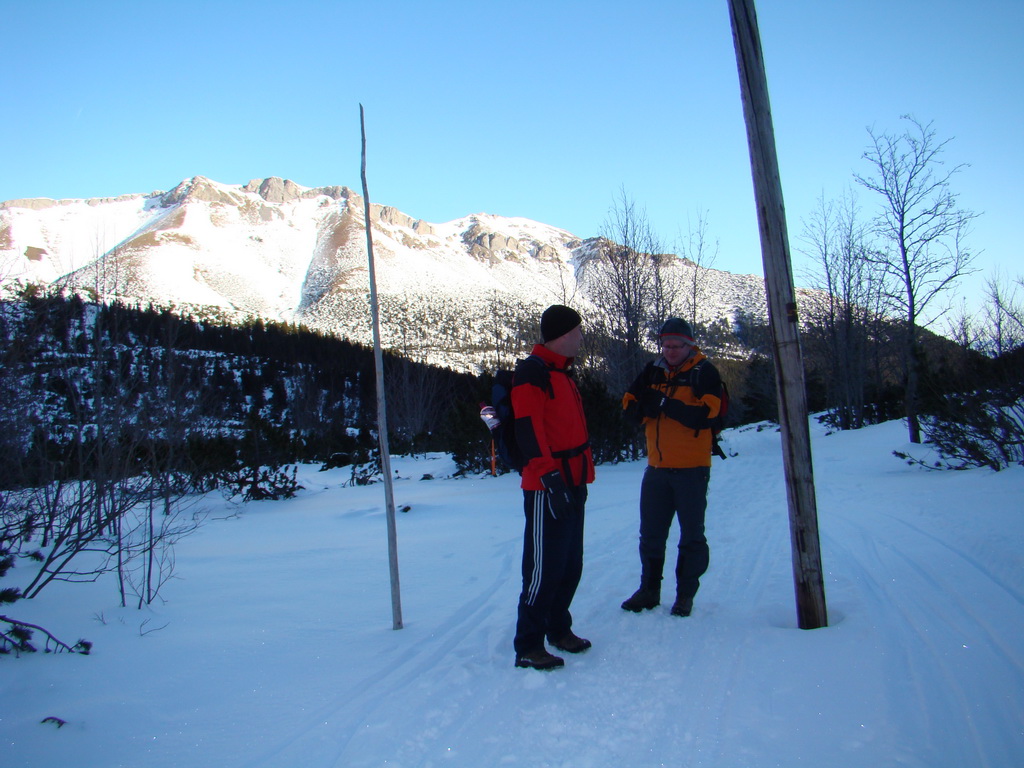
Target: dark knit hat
676,327
557,321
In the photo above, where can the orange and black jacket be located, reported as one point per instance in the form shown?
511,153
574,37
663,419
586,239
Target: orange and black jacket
675,407
550,426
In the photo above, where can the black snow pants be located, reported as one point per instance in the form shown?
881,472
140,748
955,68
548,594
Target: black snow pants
665,493
552,567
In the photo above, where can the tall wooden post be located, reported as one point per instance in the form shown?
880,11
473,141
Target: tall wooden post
382,416
782,314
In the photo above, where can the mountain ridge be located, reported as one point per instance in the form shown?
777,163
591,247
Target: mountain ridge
276,250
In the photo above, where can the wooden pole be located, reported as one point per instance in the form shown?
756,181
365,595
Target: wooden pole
782,315
382,416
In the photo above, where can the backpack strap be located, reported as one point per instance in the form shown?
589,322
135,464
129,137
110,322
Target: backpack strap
695,382
705,379
537,373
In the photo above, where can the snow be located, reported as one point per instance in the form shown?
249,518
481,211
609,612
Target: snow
72,233
275,644
227,253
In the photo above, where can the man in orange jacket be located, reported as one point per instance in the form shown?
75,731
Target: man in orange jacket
674,397
551,429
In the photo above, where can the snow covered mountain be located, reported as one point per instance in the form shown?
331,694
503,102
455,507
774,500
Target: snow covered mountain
275,250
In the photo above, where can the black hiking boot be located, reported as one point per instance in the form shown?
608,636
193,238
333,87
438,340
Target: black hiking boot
571,643
539,659
682,606
644,598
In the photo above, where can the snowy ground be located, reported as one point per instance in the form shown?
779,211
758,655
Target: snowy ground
275,645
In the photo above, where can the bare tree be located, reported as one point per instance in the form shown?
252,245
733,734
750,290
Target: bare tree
416,394
922,231
510,327
624,278
418,399
148,532
94,444
1003,320
980,423
836,240
82,466
963,326
146,536
697,249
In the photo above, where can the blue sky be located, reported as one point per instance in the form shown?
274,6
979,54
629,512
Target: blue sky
536,109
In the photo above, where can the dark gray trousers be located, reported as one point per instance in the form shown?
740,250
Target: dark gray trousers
668,493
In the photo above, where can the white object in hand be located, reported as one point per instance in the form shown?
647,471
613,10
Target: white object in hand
489,417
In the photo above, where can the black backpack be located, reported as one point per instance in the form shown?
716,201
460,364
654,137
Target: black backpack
504,435
717,424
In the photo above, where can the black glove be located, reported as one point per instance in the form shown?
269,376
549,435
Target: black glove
632,413
650,403
692,416
559,496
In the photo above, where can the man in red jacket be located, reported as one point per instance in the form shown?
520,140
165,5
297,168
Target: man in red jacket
552,432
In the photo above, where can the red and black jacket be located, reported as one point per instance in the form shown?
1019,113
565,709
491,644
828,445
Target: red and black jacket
551,428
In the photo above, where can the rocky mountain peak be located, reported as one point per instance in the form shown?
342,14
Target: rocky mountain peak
199,188
276,250
277,190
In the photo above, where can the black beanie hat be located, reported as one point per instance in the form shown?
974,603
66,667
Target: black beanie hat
557,321
676,327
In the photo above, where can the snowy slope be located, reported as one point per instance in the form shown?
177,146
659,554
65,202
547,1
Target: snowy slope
43,240
228,246
275,648
279,251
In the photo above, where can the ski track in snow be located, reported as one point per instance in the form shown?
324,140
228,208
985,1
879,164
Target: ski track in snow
922,665
919,592
913,604
362,702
